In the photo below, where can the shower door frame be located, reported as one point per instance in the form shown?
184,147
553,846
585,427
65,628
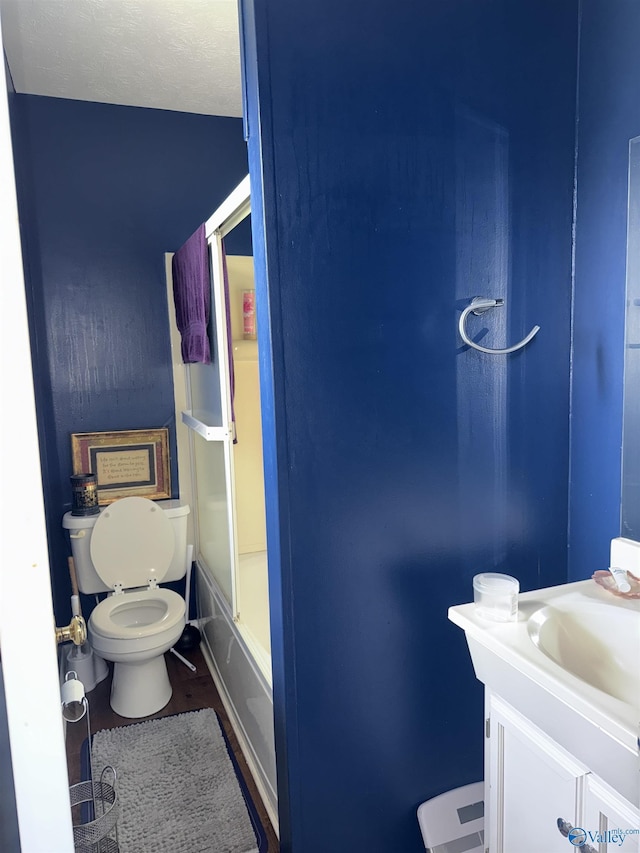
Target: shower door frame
232,656
235,208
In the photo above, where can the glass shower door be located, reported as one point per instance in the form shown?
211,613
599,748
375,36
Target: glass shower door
215,513
209,419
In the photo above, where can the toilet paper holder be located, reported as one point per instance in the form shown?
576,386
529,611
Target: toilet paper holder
74,702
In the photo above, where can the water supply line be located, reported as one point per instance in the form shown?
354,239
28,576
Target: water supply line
190,637
75,631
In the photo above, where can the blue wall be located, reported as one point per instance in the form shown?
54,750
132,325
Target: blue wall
404,160
407,158
609,106
104,191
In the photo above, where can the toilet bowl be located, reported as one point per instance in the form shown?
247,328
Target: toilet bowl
134,630
131,547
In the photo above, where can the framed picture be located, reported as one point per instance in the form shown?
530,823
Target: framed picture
126,463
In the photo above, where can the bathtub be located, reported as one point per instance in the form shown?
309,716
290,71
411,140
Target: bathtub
245,691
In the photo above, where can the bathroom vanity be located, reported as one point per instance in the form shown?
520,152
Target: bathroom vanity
562,720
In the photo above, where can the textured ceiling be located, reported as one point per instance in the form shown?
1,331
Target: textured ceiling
169,54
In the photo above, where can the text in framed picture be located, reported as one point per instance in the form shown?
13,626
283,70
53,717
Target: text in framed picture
126,463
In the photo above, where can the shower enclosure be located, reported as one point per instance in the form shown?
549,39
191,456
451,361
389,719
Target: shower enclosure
219,438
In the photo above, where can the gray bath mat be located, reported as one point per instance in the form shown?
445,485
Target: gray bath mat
177,786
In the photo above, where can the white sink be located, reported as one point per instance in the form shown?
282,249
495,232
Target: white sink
571,665
595,641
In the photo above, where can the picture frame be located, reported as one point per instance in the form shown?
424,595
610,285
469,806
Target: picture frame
126,463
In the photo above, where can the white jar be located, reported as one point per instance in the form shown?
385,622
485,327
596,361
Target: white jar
496,597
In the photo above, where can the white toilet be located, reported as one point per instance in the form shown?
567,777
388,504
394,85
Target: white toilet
127,550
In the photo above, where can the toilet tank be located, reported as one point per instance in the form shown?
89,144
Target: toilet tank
81,527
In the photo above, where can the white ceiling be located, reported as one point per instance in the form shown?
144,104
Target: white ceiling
168,54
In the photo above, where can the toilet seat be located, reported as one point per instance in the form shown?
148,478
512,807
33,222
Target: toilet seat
132,543
126,551
128,616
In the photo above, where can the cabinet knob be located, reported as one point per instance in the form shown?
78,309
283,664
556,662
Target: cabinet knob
576,835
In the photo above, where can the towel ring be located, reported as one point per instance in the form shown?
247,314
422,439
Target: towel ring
478,305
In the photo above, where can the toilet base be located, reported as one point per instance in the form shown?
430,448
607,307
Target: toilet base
140,688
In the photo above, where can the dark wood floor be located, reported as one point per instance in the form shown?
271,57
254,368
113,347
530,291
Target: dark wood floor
191,692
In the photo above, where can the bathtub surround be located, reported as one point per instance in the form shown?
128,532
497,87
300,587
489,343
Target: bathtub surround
177,786
253,581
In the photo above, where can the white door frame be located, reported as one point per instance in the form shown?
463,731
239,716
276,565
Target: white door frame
27,640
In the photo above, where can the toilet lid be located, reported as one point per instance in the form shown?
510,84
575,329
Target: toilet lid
132,542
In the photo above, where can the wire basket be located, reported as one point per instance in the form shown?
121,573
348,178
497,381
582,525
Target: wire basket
98,801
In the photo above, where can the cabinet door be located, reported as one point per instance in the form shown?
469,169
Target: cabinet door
610,822
532,783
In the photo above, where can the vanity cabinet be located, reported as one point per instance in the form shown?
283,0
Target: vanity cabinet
531,782
606,812
561,747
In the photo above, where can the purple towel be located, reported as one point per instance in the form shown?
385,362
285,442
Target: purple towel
191,294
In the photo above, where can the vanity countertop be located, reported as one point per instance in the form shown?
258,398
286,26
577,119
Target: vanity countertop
598,635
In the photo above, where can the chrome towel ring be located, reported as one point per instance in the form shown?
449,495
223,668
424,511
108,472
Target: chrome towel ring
478,306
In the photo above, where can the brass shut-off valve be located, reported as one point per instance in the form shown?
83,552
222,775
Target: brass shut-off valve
76,631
